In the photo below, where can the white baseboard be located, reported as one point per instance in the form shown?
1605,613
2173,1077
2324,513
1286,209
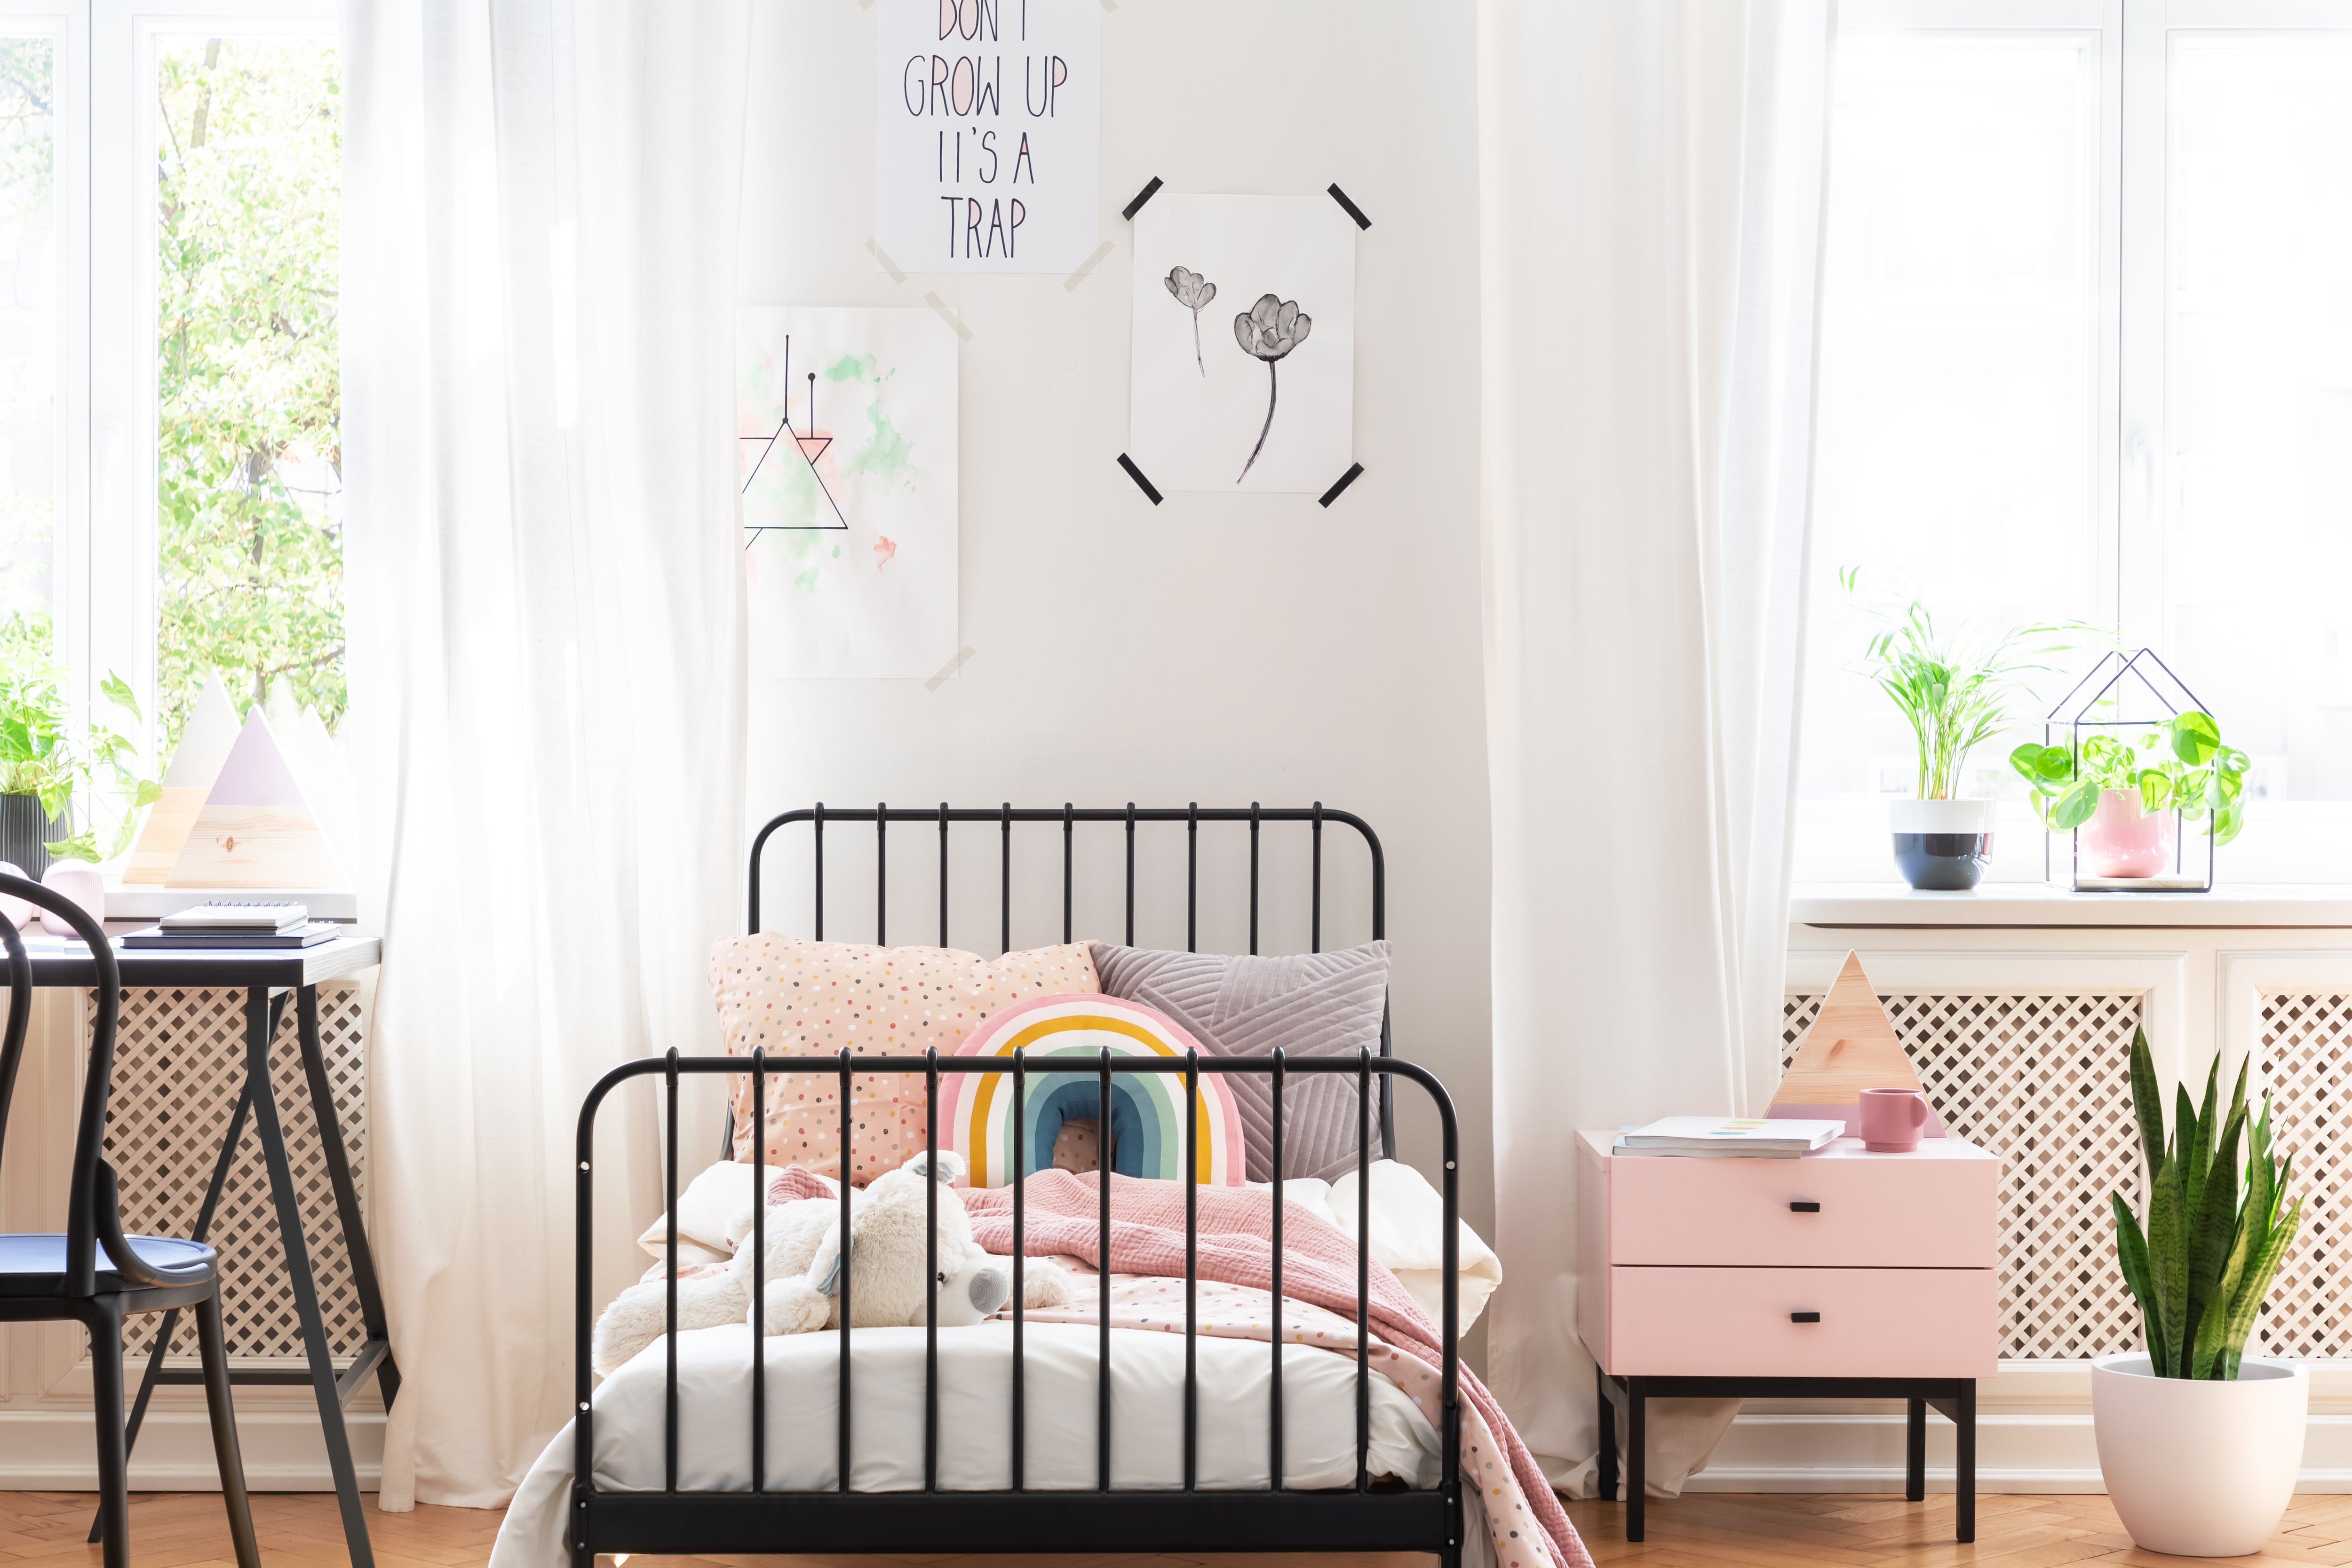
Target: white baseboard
1789,1450
56,1450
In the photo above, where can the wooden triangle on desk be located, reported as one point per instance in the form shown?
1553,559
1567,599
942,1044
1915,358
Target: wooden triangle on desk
1851,1046
255,829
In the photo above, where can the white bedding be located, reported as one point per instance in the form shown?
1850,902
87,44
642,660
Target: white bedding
975,1419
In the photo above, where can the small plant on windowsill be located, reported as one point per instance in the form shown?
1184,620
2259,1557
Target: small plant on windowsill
2200,1446
2127,794
45,761
1955,693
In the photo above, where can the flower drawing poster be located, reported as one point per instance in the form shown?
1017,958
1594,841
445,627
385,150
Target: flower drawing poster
1242,357
845,426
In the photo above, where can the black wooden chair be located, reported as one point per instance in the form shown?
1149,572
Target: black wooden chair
94,1275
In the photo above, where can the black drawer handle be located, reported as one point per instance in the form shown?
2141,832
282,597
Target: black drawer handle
1804,1317
1804,1208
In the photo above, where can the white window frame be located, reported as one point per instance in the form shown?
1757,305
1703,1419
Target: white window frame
2130,43
103,572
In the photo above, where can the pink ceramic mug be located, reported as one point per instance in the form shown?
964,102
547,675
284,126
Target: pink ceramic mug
1891,1120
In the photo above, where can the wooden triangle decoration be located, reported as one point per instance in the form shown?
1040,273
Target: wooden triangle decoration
204,744
1851,1046
255,830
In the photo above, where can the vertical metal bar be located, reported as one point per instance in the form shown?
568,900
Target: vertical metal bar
758,1268
1102,1290
1066,847
819,878
584,1409
1363,1262
1020,1250
1253,827
943,873
1191,1264
932,1269
881,873
1004,879
669,1292
1273,1390
1130,873
1314,898
1450,1325
841,1267
1192,877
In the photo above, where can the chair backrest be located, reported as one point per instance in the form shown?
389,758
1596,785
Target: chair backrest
93,1214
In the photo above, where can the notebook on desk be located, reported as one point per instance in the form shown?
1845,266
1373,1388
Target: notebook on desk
261,918
307,933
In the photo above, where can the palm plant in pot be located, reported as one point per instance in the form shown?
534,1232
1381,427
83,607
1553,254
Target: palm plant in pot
1954,691
2200,1444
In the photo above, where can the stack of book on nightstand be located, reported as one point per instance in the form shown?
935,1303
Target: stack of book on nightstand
243,927
1726,1137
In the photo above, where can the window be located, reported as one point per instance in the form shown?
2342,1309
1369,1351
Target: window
2086,355
169,389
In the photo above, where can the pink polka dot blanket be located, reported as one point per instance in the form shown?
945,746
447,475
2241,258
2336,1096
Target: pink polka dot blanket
1318,1279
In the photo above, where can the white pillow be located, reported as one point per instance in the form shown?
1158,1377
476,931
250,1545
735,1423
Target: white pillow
709,1201
1408,1225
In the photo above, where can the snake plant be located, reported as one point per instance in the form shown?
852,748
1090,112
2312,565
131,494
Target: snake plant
2215,1229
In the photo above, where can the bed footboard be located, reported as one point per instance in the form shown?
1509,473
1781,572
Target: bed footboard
1019,1519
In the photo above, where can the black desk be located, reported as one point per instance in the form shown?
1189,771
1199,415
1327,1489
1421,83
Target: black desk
296,972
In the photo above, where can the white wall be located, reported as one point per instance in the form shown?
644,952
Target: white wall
1217,649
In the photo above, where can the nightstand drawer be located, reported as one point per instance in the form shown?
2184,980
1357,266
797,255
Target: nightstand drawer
1801,1322
1934,1210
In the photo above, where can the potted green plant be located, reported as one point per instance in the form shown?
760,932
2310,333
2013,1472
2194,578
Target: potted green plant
1954,691
2201,1445
2125,795
45,761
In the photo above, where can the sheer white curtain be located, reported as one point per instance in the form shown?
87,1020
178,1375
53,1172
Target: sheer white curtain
1651,190
547,668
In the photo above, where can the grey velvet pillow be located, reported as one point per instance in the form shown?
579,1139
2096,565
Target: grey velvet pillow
1309,1004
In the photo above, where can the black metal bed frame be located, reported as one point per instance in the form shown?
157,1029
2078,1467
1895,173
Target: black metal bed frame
1276,1518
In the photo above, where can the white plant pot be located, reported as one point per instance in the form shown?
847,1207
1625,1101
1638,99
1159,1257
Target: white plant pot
2195,1467
1941,816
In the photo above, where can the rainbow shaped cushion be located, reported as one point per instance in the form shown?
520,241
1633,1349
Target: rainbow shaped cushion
1147,1117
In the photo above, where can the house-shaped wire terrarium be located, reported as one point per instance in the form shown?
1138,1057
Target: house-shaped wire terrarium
2132,772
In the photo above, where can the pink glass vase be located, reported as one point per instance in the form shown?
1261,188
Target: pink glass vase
2120,839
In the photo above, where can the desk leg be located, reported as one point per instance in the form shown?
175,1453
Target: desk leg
163,1331
1605,1417
1915,1451
1964,1472
258,1016
347,1198
1637,1454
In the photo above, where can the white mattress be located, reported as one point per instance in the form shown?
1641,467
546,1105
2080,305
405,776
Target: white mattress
975,1419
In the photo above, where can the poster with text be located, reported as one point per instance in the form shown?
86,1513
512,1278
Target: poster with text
845,426
1244,347
988,134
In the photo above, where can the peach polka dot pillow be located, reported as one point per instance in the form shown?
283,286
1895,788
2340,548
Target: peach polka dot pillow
792,996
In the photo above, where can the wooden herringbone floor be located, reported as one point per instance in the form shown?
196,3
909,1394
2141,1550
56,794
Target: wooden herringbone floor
299,1529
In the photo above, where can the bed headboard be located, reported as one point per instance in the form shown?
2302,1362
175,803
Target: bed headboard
943,817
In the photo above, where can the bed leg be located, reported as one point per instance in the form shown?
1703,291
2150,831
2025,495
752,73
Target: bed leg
583,1555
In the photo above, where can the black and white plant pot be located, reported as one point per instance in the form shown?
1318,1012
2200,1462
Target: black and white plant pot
25,828
1942,846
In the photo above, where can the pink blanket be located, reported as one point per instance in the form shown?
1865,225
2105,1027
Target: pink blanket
1063,1215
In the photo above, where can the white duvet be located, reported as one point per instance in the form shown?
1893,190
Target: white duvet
975,1420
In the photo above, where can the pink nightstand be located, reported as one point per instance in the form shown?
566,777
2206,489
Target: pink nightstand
1842,1275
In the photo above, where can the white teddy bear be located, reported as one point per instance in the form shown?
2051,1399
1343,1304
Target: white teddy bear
886,1270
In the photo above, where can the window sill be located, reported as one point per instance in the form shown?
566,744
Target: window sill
2033,903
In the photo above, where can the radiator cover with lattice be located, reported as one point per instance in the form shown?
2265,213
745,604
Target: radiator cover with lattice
2043,1080
179,1062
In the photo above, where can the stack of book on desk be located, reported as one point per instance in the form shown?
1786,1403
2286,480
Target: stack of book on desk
1721,1137
243,927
